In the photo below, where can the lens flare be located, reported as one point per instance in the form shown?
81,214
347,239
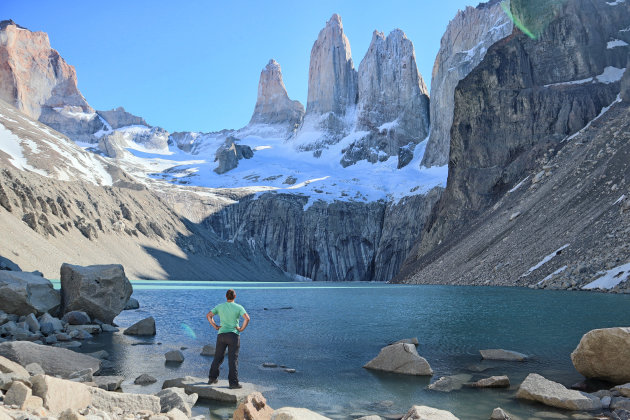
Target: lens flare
188,330
532,16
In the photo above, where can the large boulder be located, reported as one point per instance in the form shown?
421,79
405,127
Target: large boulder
171,398
128,403
9,366
604,354
24,293
400,358
293,413
48,324
143,327
102,291
60,394
422,412
253,408
537,388
54,360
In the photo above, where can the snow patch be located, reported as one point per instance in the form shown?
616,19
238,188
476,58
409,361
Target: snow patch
12,146
555,273
615,3
620,199
611,278
519,185
602,112
545,260
616,43
388,125
610,75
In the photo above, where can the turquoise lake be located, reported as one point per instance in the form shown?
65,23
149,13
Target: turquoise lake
328,331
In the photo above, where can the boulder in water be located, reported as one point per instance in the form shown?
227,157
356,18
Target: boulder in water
500,354
400,358
604,354
143,327
24,293
537,388
422,412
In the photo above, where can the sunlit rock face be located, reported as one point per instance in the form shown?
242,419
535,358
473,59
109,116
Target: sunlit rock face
118,118
393,101
463,46
273,105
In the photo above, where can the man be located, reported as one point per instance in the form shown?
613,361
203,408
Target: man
229,336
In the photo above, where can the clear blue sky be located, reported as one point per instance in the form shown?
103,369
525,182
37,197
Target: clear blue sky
194,65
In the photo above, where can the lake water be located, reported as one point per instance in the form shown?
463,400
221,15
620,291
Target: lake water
332,329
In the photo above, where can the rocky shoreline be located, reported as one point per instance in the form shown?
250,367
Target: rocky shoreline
41,377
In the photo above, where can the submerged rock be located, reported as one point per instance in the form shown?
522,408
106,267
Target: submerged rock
450,383
174,356
537,388
400,358
422,412
500,354
102,291
144,379
493,382
604,354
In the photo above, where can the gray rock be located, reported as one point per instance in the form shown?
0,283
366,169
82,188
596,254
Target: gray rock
17,394
92,329
499,414
422,412
217,392
23,293
145,379
208,350
624,389
171,398
34,369
109,328
537,388
175,356
63,337
400,358
493,382
101,291
10,366
413,340
54,361
59,395
128,403
100,354
33,324
132,303
118,118
143,327
620,403
625,85
500,354
603,354
51,339
606,401
84,375
76,318
108,383
48,324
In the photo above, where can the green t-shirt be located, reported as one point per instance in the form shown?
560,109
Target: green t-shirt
229,312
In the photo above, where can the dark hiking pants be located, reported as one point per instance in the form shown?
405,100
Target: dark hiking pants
232,341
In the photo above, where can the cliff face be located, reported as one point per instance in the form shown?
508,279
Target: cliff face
525,98
118,117
339,241
393,100
273,105
463,46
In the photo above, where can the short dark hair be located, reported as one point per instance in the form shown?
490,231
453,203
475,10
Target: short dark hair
230,294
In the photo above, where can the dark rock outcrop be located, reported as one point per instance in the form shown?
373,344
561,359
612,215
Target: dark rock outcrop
230,153
523,100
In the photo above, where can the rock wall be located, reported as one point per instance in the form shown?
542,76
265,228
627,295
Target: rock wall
463,46
519,104
118,117
273,105
339,241
393,99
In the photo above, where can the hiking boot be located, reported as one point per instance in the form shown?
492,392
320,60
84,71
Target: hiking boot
212,381
236,386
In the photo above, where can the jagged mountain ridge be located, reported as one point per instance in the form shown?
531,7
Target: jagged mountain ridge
513,113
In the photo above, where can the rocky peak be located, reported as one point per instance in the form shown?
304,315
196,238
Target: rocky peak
273,105
393,98
332,79
464,44
33,75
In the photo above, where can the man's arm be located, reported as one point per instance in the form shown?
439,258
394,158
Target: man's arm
210,317
246,318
